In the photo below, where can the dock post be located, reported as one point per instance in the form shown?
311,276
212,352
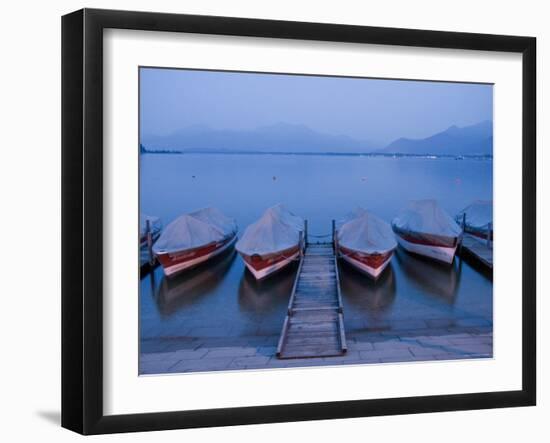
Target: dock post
305,230
489,230
149,242
301,243
463,230
333,234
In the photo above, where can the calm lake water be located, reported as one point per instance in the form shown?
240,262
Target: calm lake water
222,299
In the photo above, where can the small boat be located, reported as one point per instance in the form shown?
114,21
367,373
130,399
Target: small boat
194,238
424,228
147,223
366,242
477,220
272,242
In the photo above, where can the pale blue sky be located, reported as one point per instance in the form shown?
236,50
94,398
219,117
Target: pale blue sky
365,109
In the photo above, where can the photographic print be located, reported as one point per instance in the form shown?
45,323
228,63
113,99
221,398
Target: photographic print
292,220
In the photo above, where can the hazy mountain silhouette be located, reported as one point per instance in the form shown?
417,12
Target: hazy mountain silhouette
283,137
469,140
280,137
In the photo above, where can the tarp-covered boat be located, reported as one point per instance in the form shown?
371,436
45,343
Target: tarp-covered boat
194,238
424,228
272,242
477,219
155,227
366,242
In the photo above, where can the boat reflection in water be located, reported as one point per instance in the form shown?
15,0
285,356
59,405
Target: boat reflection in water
364,294
430,277
187,288
265,296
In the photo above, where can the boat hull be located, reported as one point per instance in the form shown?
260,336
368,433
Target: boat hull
264,266
373,265
176,262
440,253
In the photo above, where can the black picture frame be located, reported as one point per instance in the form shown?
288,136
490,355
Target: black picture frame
82,218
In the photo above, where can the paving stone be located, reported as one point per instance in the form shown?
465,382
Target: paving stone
348,356
249,362
360,346
392,344
231,352
213,353
455,357
302,362
155,367
384,354
470,340
203,364
174,356
475,348
401,359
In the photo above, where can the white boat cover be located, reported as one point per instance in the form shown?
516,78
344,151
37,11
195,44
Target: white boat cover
367,233
426,217
216,218
478,215
154,223
277,229
357,212
194,230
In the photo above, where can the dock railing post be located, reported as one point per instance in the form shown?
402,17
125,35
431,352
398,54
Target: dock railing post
463,230
489,230
306,233
301,244
333,235
149,242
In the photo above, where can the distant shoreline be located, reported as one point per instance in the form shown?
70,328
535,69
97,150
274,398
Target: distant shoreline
325,154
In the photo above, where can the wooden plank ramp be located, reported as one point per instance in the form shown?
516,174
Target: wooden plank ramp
479,250
314,325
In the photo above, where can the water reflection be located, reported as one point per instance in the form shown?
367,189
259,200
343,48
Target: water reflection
189,287
432,278
365,294
259,297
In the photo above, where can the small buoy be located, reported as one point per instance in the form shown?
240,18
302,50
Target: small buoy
192,176
274,178
363,179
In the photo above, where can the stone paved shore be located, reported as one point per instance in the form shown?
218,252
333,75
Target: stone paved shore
469,339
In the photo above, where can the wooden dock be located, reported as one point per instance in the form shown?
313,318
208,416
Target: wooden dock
314,325
478,250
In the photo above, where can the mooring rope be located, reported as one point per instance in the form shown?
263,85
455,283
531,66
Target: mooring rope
319,236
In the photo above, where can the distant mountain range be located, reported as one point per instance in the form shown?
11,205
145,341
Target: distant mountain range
282,137
469,140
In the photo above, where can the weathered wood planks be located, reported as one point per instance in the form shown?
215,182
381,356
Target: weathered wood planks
314,326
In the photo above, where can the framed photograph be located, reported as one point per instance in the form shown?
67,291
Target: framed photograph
268,221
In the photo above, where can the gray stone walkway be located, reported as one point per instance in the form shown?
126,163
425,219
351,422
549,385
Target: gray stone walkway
471,339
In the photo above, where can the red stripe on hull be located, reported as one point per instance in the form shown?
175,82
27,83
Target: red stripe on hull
372,260
170,259
426,239
259,262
